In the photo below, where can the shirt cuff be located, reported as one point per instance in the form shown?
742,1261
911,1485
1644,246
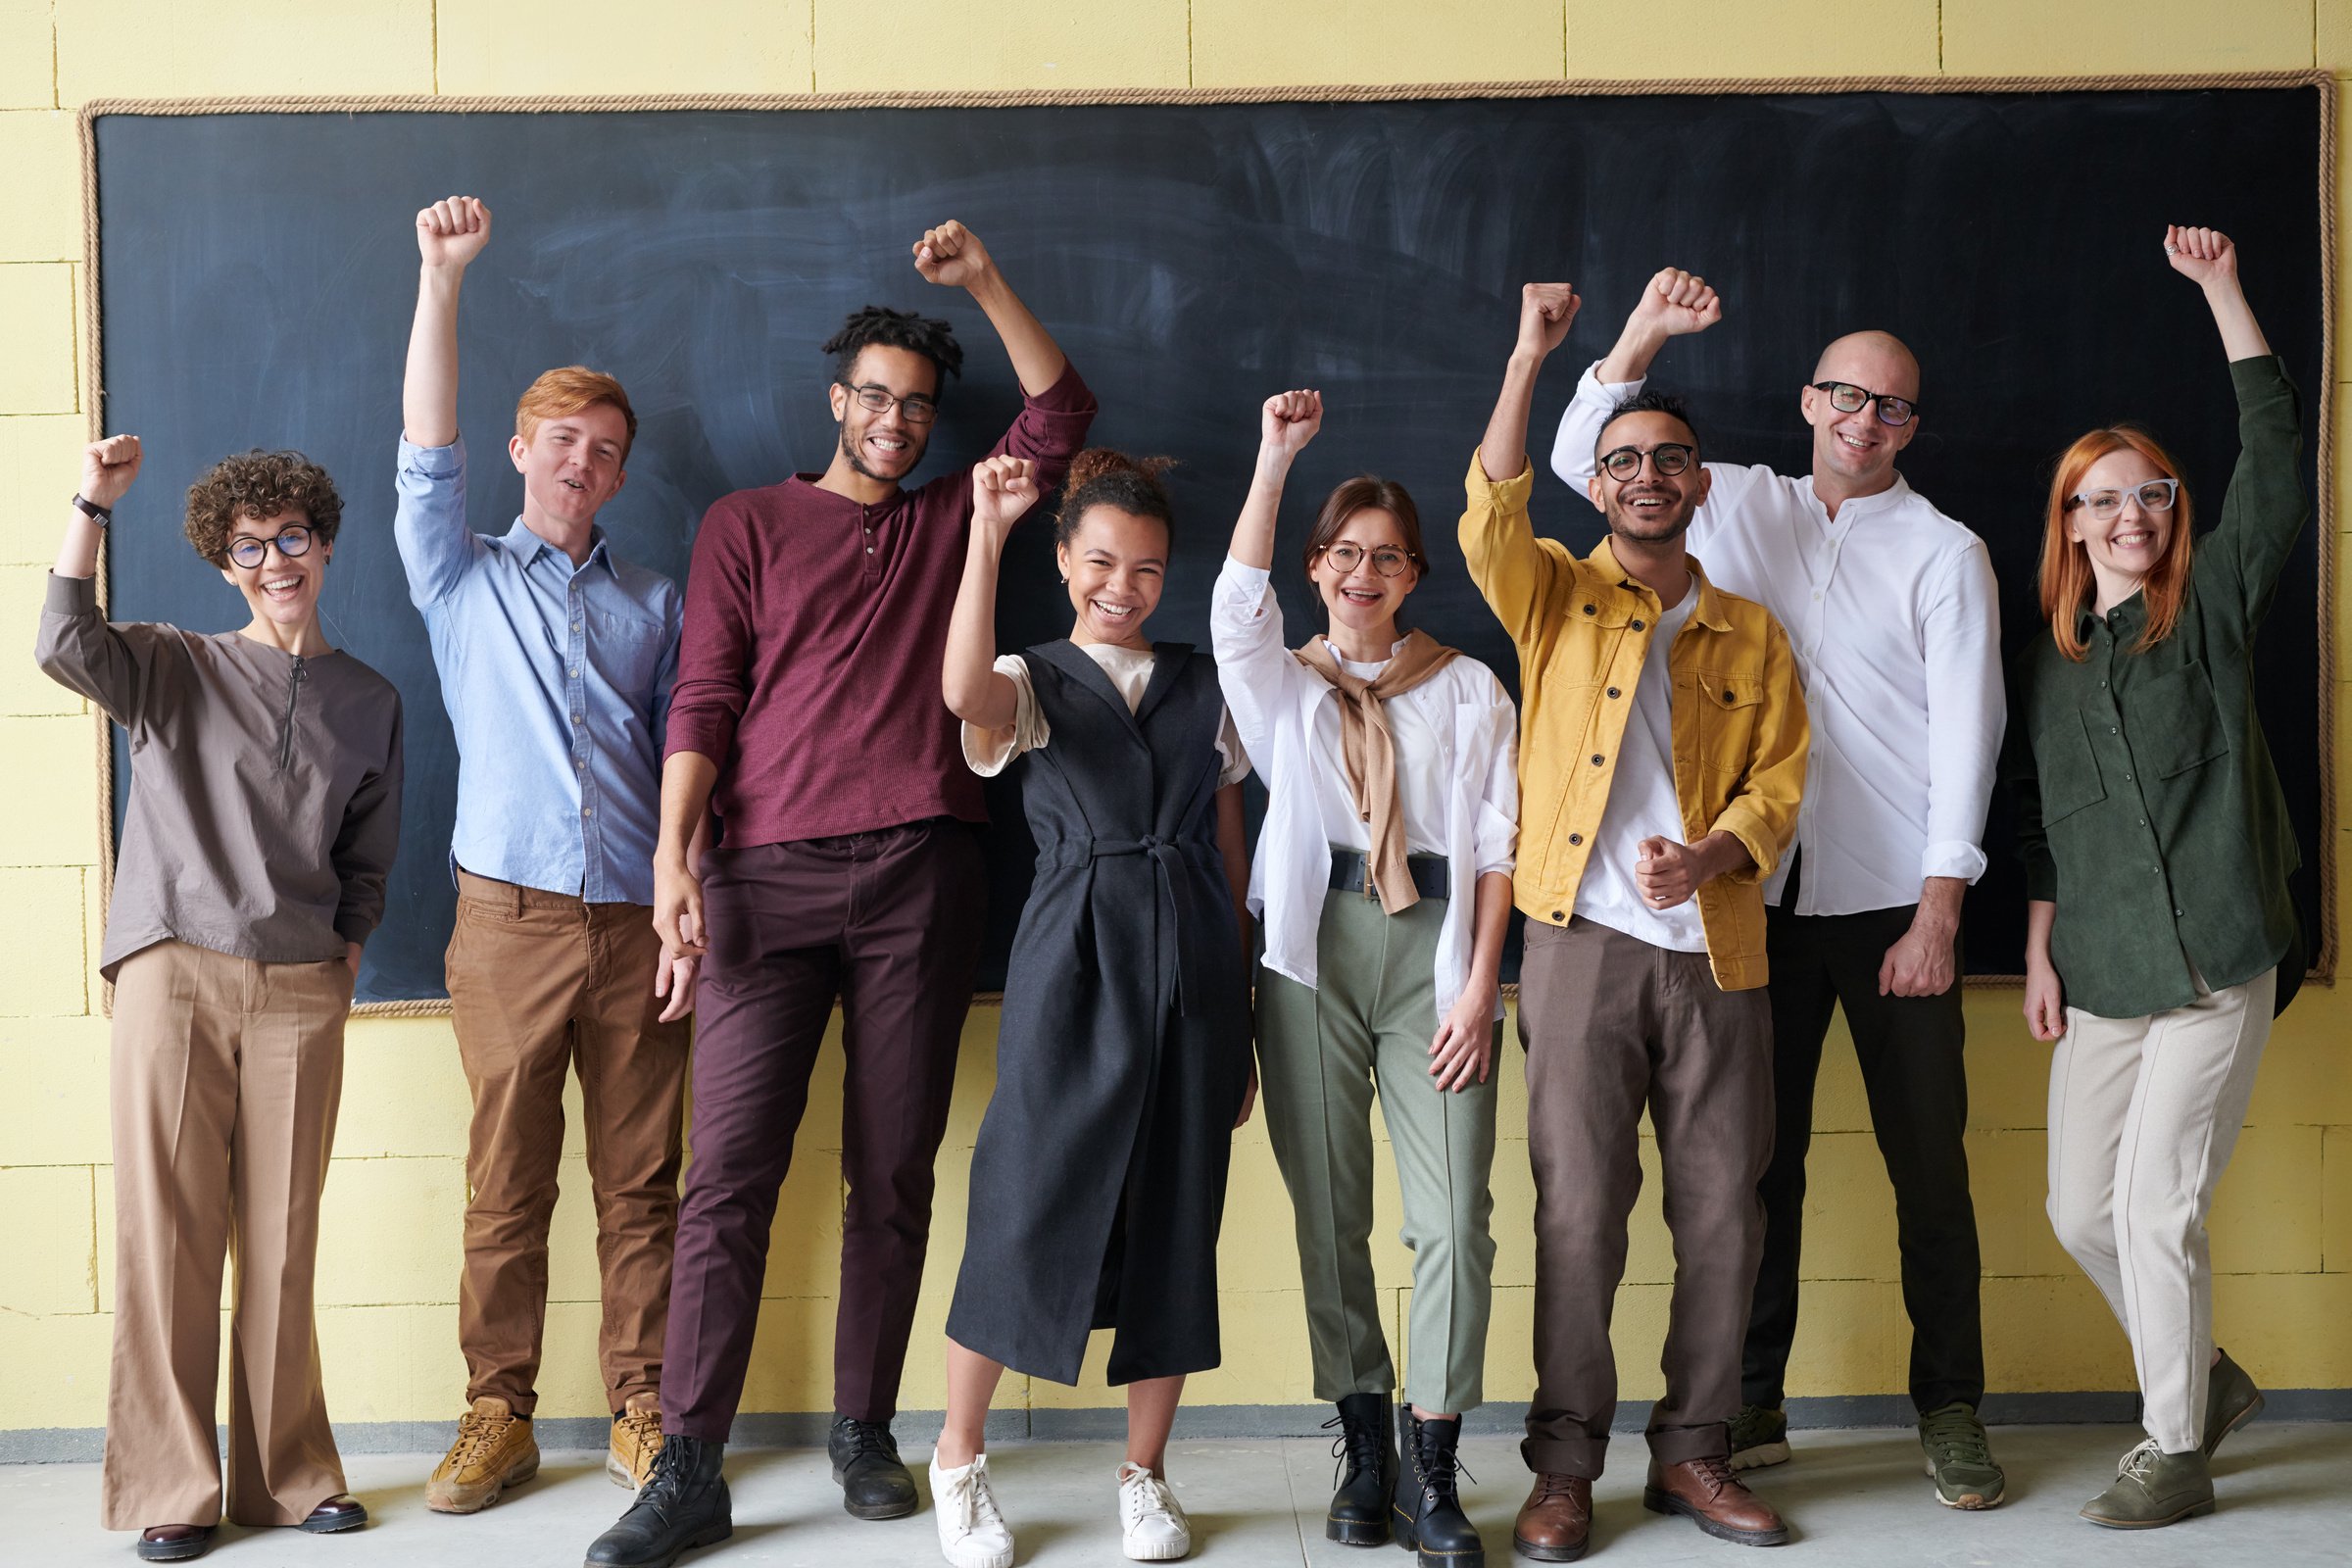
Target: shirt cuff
72,596
1499,495
1068,394
1953,857
1242,589
433,462
1591,388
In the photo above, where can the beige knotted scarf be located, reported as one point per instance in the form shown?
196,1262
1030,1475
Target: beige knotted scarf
1369,750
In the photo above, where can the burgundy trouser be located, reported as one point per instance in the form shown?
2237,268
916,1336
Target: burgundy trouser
889,923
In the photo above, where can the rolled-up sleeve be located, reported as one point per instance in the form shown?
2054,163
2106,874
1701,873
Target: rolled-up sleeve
1497,835
1961,634
428,521
1051,427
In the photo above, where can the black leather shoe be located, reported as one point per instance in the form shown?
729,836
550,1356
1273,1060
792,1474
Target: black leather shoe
683,1504
1427,1508
174,1542
874,1483
1366,1449
334,1516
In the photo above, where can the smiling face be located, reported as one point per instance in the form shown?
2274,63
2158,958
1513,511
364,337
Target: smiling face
2125,547
282,589
1859,449
885,445
570,464
1361,598
1116,562
1650,507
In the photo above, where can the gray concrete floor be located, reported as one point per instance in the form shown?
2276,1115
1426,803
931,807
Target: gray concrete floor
1853,1498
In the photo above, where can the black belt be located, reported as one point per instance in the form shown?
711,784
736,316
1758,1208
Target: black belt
1433,874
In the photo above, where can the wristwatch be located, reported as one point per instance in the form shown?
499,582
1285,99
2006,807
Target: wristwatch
101,515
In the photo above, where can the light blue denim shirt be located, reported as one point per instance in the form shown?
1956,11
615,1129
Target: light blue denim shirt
556,681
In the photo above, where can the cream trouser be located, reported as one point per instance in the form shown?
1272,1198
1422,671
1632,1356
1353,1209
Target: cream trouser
2143,1114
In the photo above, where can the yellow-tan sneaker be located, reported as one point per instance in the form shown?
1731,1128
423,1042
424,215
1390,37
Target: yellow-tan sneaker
495,1449
636,1442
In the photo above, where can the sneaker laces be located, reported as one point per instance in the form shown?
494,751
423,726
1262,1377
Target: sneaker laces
970,1502
1143,1495
641,1424
477,1431
2140,1462
1956,1435
1357,1447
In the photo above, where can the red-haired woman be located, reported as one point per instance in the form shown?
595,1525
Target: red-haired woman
2160,934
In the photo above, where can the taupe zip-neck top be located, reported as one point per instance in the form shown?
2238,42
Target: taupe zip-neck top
265,787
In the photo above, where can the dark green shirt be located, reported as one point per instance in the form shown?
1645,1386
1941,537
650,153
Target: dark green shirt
2148,808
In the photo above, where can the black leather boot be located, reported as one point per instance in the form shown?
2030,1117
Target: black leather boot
682,1505
1367,1449
1428,1510
874,1483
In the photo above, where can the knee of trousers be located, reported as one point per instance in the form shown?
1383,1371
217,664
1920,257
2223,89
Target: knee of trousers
2087,1230
2159,1218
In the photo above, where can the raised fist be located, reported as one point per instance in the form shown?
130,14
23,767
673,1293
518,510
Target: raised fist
952,256
1289,421
106,468
453,232
1545,312
1678,302
2202,254
1002,489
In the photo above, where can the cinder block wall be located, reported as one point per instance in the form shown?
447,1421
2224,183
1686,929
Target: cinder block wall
388,1271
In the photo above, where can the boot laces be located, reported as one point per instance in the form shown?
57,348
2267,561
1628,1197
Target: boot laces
1716,1470
865,1436
666,1484
1550,1486
1439,1465
2140,1462
1357,1447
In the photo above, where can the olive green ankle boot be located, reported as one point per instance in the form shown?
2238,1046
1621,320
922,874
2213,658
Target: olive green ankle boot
2153,1488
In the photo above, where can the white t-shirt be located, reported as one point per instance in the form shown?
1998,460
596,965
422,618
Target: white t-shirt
989,751
1421,784
1642,805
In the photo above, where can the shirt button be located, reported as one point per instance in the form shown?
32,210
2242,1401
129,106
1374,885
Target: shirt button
1595,759
575,672
575,625
2111,729
1817,596
2158,869
1613,691
577,719
1557,915
587,811
1637,625
1576,838
2178,915
2143,821
2126,778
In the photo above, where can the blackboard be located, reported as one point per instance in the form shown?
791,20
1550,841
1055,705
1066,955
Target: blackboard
257,271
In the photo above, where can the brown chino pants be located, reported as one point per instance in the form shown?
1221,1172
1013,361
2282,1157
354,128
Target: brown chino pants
1611,1024
540,983
226,1077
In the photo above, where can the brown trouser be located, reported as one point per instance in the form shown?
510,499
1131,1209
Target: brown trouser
226,1074
1612,1024
538,982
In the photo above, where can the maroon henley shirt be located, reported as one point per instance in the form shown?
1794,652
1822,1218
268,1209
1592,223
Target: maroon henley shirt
815,628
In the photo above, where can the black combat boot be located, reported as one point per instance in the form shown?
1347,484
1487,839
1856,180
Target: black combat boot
1367,1449
1429,1517
682,1505
874,1483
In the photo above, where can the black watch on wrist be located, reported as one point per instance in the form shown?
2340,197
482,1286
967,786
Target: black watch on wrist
101,515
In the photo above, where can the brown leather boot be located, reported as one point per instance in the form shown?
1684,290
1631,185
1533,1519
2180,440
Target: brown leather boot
1710,1497
1555,1523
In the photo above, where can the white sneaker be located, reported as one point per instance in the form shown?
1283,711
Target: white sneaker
1156,1530
971,1532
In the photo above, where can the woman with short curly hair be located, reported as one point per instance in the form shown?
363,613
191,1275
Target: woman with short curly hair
264,810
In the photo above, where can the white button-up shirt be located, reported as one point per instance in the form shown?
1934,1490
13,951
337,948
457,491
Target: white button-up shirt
1891,610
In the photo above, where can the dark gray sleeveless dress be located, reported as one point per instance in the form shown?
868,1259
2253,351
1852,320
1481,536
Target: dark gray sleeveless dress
1099,1182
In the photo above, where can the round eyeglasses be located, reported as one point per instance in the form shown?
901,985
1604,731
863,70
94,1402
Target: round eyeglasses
1666,459
2157,495
294,539
1847,398
1387,560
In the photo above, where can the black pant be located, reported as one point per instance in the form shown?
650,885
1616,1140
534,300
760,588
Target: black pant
1917,1082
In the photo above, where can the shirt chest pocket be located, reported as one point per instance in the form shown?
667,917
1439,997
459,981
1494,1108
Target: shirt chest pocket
2174,723
2066,770
625,651
1730,707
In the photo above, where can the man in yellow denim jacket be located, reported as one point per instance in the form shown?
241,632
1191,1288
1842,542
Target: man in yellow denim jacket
1655,792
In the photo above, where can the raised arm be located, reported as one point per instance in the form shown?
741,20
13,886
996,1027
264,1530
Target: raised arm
1002,488
449,234
76,648
2206,257
1245,622
1545,311
1513,568
1672,304
954,257
1286,423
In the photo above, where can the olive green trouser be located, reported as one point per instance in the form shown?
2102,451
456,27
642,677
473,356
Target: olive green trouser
1322,1053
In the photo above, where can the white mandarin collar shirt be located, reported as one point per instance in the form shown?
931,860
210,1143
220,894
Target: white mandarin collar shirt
1892,611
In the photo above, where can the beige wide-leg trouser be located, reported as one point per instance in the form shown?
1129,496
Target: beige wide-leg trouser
2143,1115
226,1076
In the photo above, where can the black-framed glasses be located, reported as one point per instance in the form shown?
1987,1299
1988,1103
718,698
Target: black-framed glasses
1666,459
916,410
294,539
2156,495
1847,398
1387,560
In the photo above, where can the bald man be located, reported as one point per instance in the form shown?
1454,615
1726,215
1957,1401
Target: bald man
1891,609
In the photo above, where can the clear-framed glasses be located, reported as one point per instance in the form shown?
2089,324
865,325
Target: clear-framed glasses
1666,459
916,410
1346,557
294,539
2156,495
1847,398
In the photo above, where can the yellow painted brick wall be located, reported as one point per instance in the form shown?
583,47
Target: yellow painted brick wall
2283,1228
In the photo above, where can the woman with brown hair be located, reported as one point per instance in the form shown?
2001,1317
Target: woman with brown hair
2160,935
264,812
1384,880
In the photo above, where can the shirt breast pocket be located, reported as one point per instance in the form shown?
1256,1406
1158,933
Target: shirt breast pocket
1729,708
2066,770
626,651
2174,723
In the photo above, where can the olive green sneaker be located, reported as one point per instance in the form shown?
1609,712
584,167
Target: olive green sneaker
1759,1438
1960,1459
2231,1401
2153,1489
